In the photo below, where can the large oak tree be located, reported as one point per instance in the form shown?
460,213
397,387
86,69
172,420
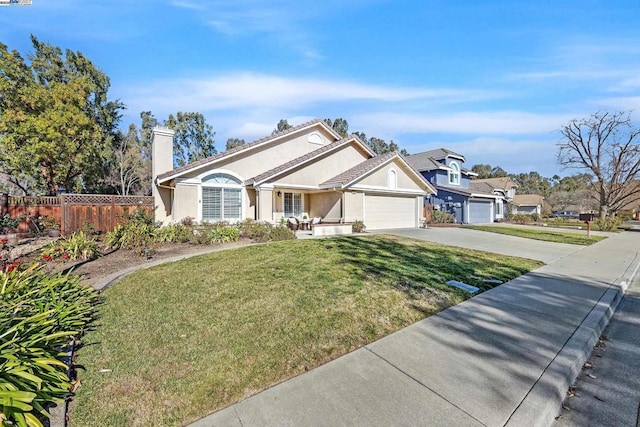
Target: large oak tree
56,121
606,145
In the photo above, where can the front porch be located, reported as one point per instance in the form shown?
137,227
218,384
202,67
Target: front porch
331,206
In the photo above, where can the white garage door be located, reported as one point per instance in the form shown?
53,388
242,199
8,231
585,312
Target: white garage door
480,212
389,212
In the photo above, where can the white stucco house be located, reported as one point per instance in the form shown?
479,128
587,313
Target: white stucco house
306,170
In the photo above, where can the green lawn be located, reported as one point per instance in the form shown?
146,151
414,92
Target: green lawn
541,234
181,340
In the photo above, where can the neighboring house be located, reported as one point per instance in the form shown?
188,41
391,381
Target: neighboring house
529,204
469,201
306,170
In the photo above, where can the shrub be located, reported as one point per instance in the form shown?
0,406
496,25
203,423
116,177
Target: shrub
136,233
174,233
440,217
187,221
39,313
259,231
87,228
521,219
358,226
72,247
134,236
280,232
49,223
535,217
8,224
608,223
224,234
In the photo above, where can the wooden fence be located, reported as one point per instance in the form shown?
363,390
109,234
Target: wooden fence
74,211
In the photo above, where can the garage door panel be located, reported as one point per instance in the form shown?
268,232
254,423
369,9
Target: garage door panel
389,212
480,212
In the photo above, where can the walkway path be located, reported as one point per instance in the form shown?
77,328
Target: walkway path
505,357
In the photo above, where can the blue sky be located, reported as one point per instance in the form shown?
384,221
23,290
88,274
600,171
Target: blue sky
493,80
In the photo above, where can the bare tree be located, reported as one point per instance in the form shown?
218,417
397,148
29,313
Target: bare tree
606,145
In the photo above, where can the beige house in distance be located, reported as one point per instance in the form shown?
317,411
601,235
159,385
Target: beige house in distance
306,170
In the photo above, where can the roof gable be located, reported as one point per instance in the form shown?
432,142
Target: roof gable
528,200
310,158
429,160
351,176
246,148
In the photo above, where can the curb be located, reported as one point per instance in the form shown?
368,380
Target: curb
544,400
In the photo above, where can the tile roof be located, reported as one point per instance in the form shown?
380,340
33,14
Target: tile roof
480,192
243,147
504,183
369,165
424,162
428,160
302,159
528,200
481,187
359,170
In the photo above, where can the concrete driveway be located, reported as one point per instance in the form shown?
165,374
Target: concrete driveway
546,252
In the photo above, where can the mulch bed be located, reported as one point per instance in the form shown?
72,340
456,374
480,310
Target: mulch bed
111,262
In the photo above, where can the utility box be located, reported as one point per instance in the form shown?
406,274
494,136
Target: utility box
587,217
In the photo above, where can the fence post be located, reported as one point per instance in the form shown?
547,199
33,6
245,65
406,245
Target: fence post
4,203
63,214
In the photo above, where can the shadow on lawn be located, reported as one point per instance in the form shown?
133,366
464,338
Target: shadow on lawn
416,267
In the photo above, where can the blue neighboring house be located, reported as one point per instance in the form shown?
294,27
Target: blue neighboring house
470,201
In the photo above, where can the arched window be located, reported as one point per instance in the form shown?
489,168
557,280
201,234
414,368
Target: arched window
454,173
392,179
221,198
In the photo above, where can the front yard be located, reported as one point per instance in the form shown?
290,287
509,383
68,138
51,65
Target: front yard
540,234
181,340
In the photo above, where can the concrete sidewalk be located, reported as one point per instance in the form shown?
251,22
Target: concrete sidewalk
609,392
505,357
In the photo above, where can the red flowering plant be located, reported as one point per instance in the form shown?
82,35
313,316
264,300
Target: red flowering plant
77,246
9,266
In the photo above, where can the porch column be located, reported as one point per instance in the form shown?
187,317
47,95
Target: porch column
264,211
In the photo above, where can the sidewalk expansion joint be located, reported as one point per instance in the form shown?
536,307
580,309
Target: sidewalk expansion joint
422,384
235,410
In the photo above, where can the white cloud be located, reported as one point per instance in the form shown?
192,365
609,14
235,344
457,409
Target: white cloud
478,123
623,103
247,90
188,4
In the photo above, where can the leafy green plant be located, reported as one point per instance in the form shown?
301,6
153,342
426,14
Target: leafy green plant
440,217
280,232
87,228
358,226
521,219
224,234
608,223
174,233
49,223
187,221
136,233
8,224
134,236
256,230
39,313
75,246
